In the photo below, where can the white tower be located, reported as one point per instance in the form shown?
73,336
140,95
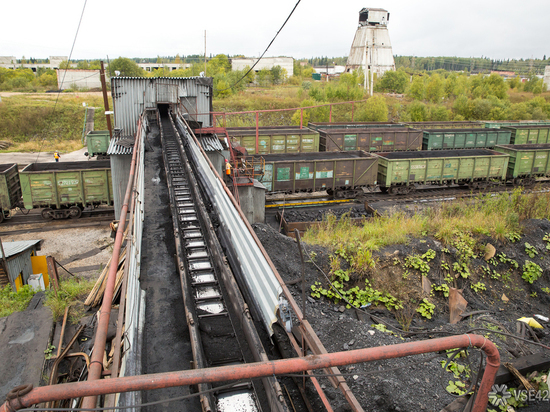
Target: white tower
371,47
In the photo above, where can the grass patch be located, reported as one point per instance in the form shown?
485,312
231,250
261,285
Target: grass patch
11,301
70,293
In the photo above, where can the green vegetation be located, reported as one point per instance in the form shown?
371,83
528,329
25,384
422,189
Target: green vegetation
464,225
31,124
11,301
70,290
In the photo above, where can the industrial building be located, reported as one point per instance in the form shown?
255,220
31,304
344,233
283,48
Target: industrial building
267,63
371,48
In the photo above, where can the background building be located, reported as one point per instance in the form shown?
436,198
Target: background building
268,63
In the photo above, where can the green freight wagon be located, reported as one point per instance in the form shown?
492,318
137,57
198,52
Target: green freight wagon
97,143
497,124
445,125
63,189
10,189
527,162
398,172
275,139
379,139
435,139
353,125
532,134
341,174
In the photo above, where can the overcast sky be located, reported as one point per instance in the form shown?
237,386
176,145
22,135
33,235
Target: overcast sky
497,29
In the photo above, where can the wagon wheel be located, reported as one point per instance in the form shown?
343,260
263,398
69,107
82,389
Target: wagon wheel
75,212
47,213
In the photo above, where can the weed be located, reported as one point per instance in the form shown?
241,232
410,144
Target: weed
478,287
462,269
443,288
426,308
546,238
419,263
48,353
531,272
69,292
405,316
531,250
445,266
513,236
546,290
533,294
11,301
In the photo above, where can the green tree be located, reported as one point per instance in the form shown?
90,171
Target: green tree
417,111
461,107
374,109
417,90
277,74
64,65
217,65
126,67
435,90
439,113
263,77
393,81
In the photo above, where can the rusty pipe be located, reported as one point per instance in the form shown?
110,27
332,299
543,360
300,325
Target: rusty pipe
267,368
96,363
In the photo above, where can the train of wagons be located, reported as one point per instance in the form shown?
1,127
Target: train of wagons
344,158
61,190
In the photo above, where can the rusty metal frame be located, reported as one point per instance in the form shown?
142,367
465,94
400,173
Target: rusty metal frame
262,369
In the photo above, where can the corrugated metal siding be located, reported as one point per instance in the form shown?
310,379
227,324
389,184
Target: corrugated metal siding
258,275
20,264
210,144
115,148
13,248
132,95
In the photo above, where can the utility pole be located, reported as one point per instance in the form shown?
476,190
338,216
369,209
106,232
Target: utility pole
105,99
205,53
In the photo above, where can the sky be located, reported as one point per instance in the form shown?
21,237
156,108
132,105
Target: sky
498,29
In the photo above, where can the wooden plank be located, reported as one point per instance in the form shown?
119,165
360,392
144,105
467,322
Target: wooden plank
525,365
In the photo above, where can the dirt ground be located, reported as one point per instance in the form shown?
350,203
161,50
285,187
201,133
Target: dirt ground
416,383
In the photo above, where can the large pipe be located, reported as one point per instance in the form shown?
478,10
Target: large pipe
96,362
262,369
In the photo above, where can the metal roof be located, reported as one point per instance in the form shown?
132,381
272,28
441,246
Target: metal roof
14,248
210,143
121,146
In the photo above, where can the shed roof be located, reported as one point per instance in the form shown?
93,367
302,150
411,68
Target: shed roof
210,143
14,248
121,146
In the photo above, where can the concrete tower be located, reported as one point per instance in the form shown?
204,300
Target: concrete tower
371,47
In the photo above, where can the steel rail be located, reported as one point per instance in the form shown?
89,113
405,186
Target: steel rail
262,369
96,363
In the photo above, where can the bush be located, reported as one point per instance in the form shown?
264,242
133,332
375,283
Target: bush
374,109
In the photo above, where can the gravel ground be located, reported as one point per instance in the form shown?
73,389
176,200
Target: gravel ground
407,384
67,243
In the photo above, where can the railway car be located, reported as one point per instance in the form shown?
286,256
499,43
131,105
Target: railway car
399,172
445,125
527,162
275,139
10,189
531,134
435,139
97,143
64,189
342,174
316,126
378,139
497,124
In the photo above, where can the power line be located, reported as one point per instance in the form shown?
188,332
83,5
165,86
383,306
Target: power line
265,51
64,74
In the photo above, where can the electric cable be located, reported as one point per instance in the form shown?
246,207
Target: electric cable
265,51
64,74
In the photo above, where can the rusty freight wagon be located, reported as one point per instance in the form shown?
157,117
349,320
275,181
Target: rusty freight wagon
377,139
400,172
342,174
275,139
527,162
435,139
445,125
64,189
10,189
531,134
350,125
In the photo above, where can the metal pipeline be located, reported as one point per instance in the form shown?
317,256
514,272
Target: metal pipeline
96,363
261,369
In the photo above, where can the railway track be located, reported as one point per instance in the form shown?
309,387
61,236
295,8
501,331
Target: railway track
220,328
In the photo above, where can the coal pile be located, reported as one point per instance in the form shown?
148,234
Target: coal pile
320,215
